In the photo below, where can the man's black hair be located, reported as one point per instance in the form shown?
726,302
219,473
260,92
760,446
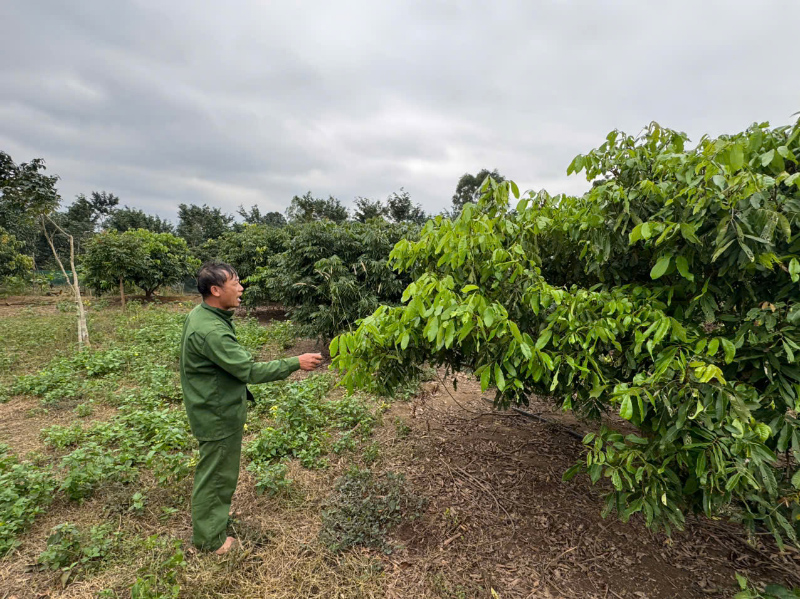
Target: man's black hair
213,273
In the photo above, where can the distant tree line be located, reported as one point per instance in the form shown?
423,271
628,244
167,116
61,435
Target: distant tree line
326,265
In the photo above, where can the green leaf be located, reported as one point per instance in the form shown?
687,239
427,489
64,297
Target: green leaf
468,288
719,251
499,378
729,348
404,340
660,267
626,408
334,346
794,269
763,431
571,472
683,268
635,234
796,480
767,157
544,338
736,157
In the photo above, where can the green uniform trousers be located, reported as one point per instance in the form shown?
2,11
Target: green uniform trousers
214,483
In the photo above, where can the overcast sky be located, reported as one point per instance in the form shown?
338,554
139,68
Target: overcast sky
252,102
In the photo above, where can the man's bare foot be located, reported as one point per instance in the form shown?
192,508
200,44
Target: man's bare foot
230,543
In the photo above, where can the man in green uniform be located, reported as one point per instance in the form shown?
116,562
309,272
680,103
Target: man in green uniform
215,371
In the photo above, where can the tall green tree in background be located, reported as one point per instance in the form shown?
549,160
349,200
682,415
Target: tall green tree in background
307,208
198,224
13,263
112,257
250,247
468,188
125,219
400,209
146,259
254,217
25,193
367,209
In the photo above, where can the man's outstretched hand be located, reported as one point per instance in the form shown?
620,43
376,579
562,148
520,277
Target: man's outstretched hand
310,361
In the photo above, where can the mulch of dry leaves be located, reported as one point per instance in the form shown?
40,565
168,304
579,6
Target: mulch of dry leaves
500,518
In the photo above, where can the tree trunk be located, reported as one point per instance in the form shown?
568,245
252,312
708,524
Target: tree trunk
83,331
122,292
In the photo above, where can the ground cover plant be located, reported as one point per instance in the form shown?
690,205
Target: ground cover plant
142,449
667,294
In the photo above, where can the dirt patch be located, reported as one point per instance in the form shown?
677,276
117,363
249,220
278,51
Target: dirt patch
499,517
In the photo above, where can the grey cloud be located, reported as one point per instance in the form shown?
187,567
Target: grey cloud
253,102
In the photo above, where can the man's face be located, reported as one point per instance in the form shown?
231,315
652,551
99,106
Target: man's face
230,294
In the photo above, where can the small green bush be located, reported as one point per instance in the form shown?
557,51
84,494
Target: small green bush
159,579
69,548
364,508
25,491
61,437
270,478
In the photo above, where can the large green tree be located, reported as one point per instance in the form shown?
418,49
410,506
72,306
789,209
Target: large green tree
401,209
250,247
25,193
13,263
254,217
307,208
169,260
468,188
331,274
146,259
113,258
198,224
668,294
367,209
125,219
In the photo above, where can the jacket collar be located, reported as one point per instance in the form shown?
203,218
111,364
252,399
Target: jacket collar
224,314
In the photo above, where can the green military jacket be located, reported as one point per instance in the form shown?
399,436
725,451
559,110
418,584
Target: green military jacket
215,371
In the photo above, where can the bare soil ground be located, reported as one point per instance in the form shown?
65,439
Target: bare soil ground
499,517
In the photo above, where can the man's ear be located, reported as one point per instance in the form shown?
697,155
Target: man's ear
215,291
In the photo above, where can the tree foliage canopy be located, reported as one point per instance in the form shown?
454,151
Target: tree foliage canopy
330,274
146,259
307,208
198,224
667,294
13,263
468,188
125,219
249,248
254,217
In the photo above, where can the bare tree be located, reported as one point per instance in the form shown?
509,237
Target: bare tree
83,331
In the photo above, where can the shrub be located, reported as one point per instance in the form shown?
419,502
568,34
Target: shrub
331,274
270,478
70,549
364,508
25,491
667,294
